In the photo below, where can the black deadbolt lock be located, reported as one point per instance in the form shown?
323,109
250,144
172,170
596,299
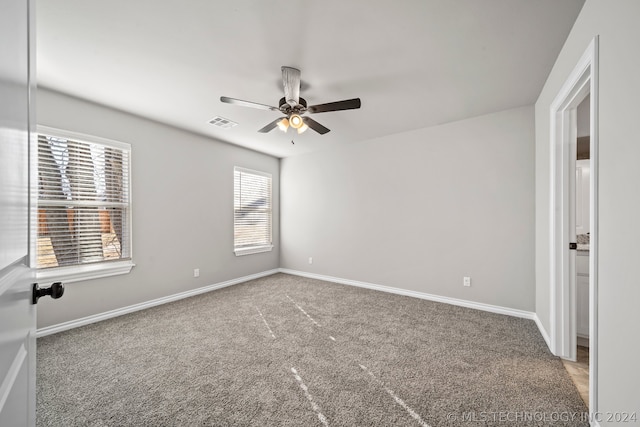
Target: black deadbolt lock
56,290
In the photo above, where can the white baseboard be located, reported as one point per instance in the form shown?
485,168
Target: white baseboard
148,304
542,330
437,298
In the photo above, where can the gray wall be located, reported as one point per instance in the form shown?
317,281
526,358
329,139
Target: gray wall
617,24
420,210
182,189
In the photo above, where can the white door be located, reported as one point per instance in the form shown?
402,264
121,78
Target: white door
17,313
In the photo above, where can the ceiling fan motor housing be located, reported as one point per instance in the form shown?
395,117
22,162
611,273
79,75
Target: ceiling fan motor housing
286,108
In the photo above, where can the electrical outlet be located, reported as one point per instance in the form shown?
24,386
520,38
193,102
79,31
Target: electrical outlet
310,260
196,272
467,281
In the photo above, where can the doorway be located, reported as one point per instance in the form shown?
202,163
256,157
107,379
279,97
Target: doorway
579,369
568,288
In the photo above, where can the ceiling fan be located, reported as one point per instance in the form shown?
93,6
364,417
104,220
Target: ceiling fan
293,106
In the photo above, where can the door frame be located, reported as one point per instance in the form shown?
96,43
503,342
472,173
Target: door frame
582,81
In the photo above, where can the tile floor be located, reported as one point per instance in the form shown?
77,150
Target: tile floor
579,372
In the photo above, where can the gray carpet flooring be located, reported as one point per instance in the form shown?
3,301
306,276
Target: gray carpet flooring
290,351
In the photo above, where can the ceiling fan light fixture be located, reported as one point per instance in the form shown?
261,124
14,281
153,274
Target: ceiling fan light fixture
292,106
283,124
295,121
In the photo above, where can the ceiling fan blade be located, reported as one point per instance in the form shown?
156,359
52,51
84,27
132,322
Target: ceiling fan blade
242,103
270,126
291,83
348,104
315,125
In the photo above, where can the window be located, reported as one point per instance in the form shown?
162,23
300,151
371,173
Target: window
252,211
83,221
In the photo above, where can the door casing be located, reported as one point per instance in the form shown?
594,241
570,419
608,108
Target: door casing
582,81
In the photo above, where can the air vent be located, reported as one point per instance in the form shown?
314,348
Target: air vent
223,123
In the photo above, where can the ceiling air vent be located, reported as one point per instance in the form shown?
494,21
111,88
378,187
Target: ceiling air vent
223,123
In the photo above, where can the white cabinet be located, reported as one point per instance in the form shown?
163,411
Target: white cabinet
582,302
582,263
582,294
582,258
582,197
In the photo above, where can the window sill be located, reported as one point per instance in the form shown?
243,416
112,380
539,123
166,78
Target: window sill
252,250
78,273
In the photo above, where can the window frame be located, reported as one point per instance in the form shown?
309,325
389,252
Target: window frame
249,250
80,272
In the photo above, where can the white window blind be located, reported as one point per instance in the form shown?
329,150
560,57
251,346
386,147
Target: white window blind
83,202
252,211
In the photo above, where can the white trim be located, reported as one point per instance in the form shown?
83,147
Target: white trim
577,85
83,137
437,298
265,246
543,331
252,250
594,253
584,78
252,172
78,273
148,304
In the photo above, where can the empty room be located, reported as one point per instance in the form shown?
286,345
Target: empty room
337,213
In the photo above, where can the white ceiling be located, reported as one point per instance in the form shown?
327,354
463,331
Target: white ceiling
413,63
